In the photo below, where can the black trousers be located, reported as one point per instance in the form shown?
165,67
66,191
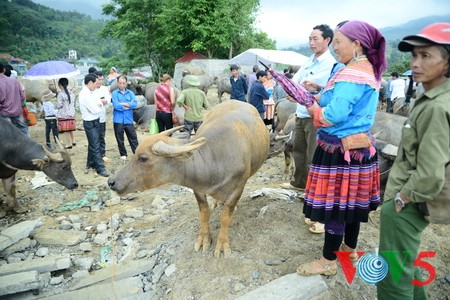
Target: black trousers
102,139
164,120
94,157
51,125
119,129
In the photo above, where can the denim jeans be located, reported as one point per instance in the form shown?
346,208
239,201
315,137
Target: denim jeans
51,125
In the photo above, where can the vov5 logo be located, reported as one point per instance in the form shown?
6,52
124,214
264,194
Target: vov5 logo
372,268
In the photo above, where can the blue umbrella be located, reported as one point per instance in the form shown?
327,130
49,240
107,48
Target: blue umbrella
52,69
407,73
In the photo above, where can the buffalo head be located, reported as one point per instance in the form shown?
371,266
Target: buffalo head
158,160
57,165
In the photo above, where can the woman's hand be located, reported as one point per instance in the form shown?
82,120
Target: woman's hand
311,86
312,108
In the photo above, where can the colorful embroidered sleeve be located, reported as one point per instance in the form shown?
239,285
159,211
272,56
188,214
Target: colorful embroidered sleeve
319,119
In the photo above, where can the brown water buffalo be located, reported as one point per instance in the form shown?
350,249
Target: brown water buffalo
229,147
144,114
20,152
149,92
283,141
284,109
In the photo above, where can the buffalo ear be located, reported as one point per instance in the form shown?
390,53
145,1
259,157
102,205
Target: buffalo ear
40,163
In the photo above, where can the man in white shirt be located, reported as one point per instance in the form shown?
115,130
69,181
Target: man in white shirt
397,87
90,107
313,75
104,95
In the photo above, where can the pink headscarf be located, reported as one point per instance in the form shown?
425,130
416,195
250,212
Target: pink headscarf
371,39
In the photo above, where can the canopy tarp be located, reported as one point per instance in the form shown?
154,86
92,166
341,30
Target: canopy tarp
252,57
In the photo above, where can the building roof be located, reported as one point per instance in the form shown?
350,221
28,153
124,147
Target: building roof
190,56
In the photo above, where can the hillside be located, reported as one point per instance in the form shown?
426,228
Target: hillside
37,33
394,33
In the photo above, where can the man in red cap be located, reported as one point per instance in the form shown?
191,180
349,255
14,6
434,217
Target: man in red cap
417,178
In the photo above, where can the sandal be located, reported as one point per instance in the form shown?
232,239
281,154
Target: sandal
353,255
309,222
317,228
309,270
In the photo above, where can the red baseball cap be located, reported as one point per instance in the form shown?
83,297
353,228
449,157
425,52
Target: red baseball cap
437,33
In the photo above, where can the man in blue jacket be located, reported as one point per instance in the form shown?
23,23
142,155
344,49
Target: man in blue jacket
238,85
258,93
123,101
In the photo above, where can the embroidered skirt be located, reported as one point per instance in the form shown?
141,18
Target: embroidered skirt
338,190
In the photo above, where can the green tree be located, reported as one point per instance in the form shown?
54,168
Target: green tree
158,32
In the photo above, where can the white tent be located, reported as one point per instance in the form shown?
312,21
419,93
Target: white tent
252,57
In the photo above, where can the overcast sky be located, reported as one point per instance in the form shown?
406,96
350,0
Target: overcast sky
290,22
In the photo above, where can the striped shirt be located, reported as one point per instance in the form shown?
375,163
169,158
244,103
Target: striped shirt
163,103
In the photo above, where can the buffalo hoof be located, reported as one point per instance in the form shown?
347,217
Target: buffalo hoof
226,250
202,240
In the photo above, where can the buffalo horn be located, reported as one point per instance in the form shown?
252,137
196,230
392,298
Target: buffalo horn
60,146
57,157
161,148
172,130
281,137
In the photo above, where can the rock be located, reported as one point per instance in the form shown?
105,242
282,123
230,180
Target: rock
75,218
158,271
127,241
255,275
291,286
86,247
59,237
65,225
274,262
76,226
41,252
113,201
170,270
19,282
102,227
101,239
17,247
83,263
46,264
80,274
447,278
115,221
134,213
17,232
56,280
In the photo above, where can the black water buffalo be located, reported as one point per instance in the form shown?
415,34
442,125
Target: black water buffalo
20,152
229,147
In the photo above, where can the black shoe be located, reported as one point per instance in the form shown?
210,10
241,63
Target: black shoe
103,173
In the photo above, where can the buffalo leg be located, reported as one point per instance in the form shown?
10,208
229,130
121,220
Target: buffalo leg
10,189
223,239
204,237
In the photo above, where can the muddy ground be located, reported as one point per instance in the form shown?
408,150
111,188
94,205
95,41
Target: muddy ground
268,236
